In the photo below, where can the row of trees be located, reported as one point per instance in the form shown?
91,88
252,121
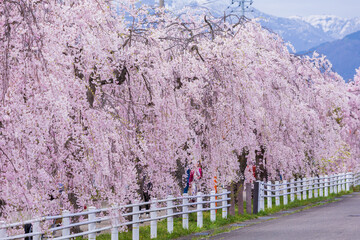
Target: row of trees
94,104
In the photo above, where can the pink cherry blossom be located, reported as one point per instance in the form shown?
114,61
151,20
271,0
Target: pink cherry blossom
95,104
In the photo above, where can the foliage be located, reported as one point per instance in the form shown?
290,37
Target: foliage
96,104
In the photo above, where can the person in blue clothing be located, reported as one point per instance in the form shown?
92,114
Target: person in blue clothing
186,189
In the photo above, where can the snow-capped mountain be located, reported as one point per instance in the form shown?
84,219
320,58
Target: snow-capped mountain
301,34
337,27
333,36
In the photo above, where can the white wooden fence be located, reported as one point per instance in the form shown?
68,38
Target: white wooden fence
115,217
301,189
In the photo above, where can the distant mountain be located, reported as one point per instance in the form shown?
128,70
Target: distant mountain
302,35
302,32
328,35
336,27
344,54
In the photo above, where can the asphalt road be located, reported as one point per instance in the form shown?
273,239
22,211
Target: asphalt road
336,220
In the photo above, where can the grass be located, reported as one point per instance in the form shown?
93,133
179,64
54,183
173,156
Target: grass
178,230
299,203
221,225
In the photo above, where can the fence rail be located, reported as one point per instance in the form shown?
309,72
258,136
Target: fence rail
114,219
302,189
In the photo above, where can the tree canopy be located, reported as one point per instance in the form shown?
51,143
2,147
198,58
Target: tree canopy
95,101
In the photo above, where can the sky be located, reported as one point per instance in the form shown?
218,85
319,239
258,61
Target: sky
286,8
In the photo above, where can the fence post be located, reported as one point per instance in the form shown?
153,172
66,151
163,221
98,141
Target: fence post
114,223
326,190
305,187
199,219
353,179
331,189
343,186
153,222
185,209
269,193
212,205
3,233
285,192
316,189
298,189
248,198
277,192
135,219
170,220
292,196
262,196
91,226
65,222
339,183
224,204
335,186
347,180
36,228
321,192
310,187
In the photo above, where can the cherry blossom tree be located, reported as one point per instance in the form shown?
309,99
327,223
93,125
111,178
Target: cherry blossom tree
97,102
351,121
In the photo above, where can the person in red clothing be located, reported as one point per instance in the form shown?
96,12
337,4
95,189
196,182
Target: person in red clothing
198,171
191,181
250,173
